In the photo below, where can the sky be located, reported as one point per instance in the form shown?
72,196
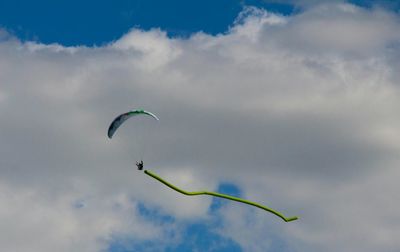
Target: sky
292,104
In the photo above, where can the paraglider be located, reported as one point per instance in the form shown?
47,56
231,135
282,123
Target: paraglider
119,120
139,165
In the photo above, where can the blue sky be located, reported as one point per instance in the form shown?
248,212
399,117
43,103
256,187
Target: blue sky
111,56
98,22
200,235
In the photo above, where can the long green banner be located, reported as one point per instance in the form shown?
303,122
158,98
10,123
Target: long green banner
287,219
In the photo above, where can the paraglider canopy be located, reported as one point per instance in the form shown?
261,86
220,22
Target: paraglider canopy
125,116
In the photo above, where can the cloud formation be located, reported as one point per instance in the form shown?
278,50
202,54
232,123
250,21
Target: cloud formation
300,112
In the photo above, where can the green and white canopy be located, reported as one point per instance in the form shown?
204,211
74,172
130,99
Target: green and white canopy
125,116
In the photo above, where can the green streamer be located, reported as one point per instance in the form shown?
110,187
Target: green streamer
286,219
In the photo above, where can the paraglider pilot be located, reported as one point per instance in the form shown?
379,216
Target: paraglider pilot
139,165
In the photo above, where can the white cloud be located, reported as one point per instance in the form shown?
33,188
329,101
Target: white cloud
33,220
153,48
299,111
